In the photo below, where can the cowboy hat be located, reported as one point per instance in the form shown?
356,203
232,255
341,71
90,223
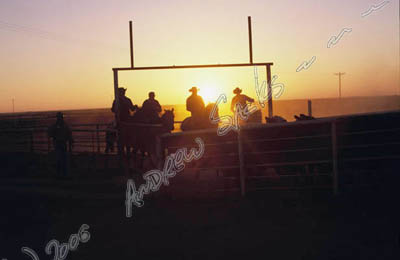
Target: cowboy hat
237,91
122,89
194,89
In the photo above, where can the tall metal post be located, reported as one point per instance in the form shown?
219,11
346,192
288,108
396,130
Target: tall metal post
270,112
131,42
115,73
117,110
250,39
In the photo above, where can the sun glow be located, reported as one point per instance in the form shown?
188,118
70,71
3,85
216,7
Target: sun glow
209,93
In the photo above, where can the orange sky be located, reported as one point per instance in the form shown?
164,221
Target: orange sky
59,54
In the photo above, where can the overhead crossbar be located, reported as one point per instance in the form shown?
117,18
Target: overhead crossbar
196,66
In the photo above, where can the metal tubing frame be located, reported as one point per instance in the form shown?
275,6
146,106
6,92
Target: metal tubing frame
250,39
132,67
266,64
131,43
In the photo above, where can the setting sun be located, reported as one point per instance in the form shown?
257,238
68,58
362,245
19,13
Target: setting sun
209,93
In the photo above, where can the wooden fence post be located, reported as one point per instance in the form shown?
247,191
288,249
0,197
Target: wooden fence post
334,157
241,163
309,105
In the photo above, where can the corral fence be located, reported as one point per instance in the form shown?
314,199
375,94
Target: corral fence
89,147
88,138
324,154
31,146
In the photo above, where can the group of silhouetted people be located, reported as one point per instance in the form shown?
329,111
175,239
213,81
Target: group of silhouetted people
151,107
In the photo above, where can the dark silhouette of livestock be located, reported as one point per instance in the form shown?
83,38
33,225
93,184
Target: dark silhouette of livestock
138,134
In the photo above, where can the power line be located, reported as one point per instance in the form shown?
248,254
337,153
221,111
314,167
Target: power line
340,82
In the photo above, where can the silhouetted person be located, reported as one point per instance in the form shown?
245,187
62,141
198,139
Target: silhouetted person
61,135
125,106
151,108
239,98
195,105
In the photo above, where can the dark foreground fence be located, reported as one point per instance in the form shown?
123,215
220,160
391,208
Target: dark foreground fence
29,151
323,154
88,138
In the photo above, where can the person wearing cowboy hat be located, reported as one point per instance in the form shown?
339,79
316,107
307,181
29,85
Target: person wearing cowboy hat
239,98
125,105
195,104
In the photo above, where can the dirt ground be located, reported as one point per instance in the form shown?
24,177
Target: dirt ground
358,225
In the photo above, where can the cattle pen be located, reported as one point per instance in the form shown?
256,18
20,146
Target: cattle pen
329,154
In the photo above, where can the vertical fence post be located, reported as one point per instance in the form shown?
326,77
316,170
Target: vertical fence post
309,107
159,152
334,157
94,154
48,145
93,142
31,141
241,164
269,89
98,138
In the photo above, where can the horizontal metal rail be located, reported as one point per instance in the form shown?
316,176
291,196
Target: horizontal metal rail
286,138
195,66
367,145
371,158
288,163
371,131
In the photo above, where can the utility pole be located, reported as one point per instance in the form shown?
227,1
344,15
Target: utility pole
13,105
340,82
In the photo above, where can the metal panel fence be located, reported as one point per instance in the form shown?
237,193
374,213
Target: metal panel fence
316,154
323,154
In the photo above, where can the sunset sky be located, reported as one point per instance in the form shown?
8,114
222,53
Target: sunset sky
59,54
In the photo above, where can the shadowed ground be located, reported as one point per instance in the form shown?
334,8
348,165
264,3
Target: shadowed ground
263,226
